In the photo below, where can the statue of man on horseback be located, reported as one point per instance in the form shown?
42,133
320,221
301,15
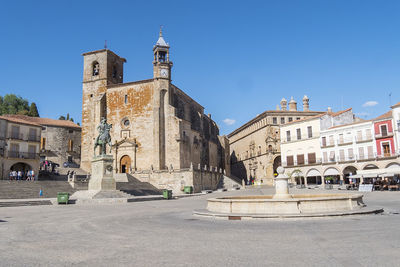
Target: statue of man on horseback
104,137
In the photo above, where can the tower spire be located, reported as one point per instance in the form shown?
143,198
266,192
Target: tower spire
160,30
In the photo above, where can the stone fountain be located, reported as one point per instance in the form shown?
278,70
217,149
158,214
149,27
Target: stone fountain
284,204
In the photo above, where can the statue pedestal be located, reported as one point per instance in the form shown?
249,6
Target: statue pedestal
102,187
102,174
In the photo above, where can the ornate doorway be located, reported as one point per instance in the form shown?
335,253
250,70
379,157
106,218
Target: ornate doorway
125,164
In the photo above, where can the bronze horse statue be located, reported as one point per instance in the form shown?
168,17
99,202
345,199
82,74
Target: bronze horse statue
104,137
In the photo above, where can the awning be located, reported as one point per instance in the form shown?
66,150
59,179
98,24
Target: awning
313,172
389,172
331,171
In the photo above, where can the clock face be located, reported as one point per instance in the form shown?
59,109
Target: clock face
164,72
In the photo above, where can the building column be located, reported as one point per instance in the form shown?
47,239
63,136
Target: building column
323,180
305,181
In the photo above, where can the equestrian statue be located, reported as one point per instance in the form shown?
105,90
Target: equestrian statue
104,137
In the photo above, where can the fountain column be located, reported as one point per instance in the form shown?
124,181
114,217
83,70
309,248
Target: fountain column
281,184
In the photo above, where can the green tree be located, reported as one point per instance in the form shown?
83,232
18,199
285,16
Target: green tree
12,104
33,111
62,118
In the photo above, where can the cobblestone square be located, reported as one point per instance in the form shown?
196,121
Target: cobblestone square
166,233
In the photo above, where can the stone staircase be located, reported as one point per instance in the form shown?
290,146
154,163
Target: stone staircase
29,189
129,184
230,182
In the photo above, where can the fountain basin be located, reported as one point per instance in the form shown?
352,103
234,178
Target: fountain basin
295,205
301,205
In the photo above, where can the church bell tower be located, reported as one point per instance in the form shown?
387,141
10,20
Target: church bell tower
161,63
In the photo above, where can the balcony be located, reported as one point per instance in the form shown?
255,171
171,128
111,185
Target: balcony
327,145
15,136
388,155
343,142
384,135
33,138
363,140
22,155
22,137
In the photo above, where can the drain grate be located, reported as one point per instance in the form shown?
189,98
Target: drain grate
234,218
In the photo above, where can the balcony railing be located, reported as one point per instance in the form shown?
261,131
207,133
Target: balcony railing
22,137
33,138
363,140
15,136
22,155
388,134
345,142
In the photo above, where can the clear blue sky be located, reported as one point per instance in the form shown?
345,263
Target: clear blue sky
236,58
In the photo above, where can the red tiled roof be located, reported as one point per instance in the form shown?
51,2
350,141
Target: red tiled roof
18,120
387,115
348,124
396,105
43,121
334,114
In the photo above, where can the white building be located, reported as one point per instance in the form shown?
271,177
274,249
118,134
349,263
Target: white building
396,124
19,145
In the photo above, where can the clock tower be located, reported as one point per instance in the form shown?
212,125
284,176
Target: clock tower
161,64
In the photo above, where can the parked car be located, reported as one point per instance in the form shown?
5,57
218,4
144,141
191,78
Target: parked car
70,165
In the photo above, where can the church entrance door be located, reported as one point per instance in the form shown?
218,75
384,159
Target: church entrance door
125,164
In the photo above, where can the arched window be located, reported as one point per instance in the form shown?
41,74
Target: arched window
114,72
96,68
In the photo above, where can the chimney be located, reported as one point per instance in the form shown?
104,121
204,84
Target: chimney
306,103
292,104
329,110
277,107
209,115
283,104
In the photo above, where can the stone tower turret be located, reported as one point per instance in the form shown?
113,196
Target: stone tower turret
283,104
306,104
162,84
100,69
292,104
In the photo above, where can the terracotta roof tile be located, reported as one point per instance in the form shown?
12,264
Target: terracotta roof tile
44,121
387,115
18,120
396,105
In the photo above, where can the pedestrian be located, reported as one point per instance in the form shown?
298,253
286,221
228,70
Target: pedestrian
10,175
19,175
32,175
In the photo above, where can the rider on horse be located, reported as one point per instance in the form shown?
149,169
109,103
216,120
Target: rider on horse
104,137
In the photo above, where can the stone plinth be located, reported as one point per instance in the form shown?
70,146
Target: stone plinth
102,186
102,174
281,184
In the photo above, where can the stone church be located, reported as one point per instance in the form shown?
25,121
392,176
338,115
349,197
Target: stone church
160,134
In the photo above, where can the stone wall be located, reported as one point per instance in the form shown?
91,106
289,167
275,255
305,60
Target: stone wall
175,180
57,144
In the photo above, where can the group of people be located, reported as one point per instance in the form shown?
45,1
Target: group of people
383,184
21,175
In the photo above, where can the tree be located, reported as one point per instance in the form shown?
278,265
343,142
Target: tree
33,111
62,118
12,104
67,117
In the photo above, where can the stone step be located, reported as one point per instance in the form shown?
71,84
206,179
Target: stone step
29,189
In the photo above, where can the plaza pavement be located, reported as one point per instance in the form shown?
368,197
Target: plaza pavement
164,233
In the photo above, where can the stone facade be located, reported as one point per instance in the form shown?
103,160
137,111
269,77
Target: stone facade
255,146
19,145
341,145
156,126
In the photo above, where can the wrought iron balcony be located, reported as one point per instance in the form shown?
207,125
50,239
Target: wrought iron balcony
22,155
